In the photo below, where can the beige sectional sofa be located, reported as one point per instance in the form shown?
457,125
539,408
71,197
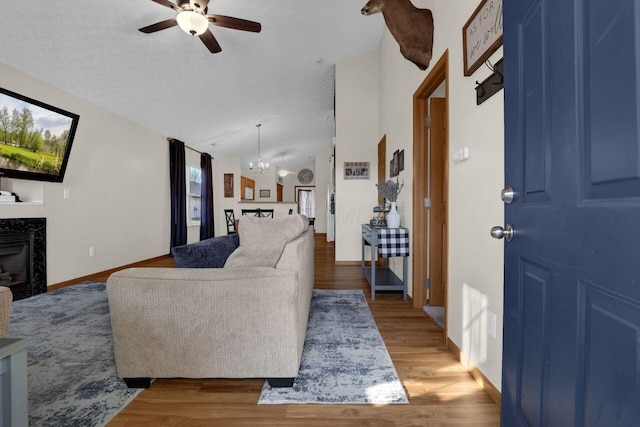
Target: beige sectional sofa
246,320
6,298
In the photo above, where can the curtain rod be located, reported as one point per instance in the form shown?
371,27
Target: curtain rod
186,146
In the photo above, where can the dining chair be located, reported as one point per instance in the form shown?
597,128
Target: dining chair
230,218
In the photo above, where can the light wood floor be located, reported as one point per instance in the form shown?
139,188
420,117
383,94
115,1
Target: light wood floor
440,390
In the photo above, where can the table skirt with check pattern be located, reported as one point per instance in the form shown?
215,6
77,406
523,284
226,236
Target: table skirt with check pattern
393,242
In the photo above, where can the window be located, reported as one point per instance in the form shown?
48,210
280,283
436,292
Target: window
194,184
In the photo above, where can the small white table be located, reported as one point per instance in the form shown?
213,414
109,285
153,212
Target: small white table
382,278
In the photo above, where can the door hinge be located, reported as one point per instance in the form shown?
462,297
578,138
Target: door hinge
427,121
427,202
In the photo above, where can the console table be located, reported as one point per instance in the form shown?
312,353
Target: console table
13,382
388,242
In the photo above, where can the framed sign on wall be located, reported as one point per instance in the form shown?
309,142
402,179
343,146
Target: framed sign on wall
356,170
482,34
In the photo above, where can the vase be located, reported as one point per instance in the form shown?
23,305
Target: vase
393,217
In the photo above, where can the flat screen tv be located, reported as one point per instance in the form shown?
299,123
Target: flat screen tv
35,138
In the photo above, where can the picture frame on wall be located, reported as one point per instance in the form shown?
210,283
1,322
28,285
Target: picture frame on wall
401,161
356,170
481,35
396,163
265,194
392,168
228,185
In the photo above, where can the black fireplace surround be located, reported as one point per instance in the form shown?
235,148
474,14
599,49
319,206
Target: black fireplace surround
23,241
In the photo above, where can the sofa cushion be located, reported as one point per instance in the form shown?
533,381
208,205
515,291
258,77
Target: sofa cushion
209,253
262,240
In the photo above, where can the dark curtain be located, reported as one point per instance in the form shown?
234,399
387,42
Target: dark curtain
206,219
178,193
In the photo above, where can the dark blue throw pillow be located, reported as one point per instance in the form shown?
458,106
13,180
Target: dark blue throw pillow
210,253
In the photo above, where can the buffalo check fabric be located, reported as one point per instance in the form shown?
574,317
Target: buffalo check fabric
393,242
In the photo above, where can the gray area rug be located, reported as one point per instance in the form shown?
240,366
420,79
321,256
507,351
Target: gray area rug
436,313
71,368
344,360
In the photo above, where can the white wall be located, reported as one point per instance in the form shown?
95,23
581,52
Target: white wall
289,182
232,165
118,177
357,137
475,260
220,203
265,181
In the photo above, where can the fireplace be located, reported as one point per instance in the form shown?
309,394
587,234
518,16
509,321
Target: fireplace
23,256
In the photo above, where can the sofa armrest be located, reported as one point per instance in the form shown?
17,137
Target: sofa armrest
209,253
6,297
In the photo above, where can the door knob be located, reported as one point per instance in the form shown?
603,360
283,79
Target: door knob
508,195
498,232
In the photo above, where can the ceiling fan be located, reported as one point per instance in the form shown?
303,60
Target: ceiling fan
193,19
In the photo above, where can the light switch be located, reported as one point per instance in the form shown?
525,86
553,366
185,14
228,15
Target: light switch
67,193
461,154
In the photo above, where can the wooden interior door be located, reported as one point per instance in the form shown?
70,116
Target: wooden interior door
438,209
382,165
382,176
279,191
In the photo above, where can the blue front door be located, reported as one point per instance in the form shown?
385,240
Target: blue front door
572,271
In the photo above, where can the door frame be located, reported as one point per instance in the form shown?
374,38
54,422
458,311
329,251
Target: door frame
439,74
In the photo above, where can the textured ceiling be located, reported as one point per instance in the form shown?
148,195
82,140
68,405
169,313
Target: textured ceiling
168,81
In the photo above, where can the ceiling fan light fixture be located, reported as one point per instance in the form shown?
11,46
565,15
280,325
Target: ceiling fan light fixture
283,172
193,23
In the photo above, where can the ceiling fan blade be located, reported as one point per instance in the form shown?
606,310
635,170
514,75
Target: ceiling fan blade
159,26
168,4
210,42
235,23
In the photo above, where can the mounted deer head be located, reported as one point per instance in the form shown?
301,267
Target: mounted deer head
411,27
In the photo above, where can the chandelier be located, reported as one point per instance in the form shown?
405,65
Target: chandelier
261,166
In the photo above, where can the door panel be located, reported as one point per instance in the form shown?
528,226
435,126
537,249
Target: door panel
534,287
602,313
571,350
611,137
536,154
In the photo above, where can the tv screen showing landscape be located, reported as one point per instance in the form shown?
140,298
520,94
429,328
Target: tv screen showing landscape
35,138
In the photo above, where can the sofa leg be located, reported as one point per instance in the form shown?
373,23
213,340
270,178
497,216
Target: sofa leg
137,382
281,382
